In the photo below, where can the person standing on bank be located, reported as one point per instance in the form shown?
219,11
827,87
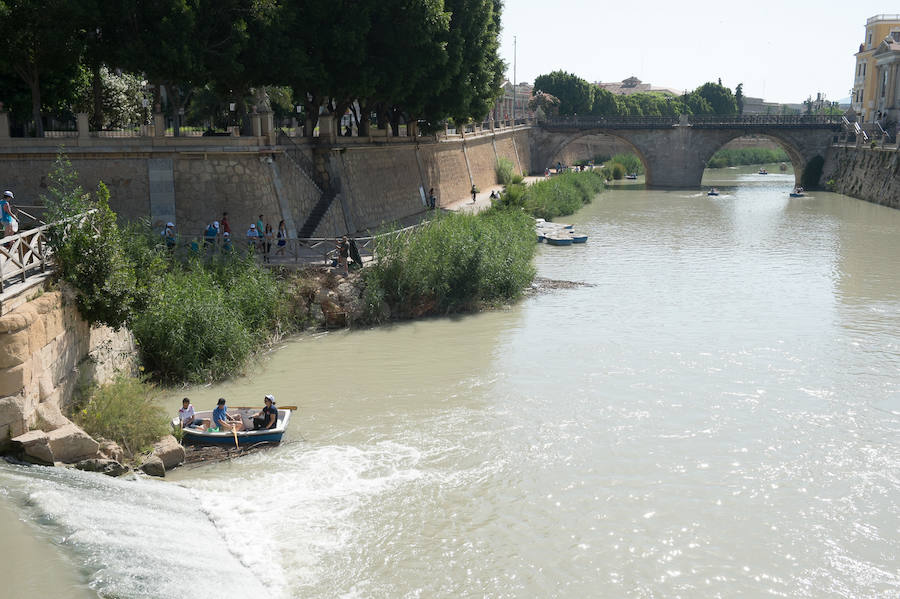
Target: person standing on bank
282,238
343,247
268,235
226,227
10,222
474,192
432,199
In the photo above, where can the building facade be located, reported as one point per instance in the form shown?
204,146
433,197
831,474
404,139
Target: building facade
514,101
887,82
866,89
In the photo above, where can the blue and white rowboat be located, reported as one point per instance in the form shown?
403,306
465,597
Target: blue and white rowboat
245,437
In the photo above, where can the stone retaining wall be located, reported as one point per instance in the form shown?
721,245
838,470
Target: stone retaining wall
379,183
870,174
46,351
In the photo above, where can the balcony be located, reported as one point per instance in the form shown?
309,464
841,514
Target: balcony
882,19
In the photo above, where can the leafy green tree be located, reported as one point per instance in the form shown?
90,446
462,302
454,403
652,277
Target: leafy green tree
719,98
575,94
739,97
37,38
547,103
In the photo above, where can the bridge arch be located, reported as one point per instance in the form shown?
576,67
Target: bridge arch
795,155
551,155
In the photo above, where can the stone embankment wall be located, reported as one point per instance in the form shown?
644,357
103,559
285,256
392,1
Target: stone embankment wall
46,351
194,185
871,174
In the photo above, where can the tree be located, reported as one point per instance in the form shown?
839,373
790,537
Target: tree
739,97
547,103
719,98
38,37
575,94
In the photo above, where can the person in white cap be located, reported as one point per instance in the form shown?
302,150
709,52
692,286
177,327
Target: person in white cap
267,417
10,222
169,234
252,236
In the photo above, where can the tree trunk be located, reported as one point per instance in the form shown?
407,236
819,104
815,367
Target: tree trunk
311,105
362,121
97,97
35,85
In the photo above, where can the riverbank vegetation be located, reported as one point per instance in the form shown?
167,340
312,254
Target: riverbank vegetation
740,156
124,411
506,172
559,195
454,263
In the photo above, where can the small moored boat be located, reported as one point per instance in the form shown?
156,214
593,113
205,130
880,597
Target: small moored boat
631,176
579,238
244,438
558,239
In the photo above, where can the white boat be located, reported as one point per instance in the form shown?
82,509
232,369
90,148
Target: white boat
244,438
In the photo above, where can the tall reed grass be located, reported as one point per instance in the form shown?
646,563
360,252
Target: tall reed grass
454,263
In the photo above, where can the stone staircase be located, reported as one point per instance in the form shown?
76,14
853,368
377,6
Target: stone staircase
316,174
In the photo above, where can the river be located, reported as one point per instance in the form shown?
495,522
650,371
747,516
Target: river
715,414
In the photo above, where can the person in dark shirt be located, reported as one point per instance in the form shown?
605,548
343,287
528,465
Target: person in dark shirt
223,421
266,418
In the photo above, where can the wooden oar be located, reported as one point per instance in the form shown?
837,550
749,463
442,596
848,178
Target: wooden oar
234,430
256,408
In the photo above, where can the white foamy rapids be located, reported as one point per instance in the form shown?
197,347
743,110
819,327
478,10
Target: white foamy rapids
136,537
304,500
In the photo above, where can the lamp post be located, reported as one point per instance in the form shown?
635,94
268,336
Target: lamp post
515,85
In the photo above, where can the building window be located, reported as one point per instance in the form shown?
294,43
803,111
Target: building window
895,35
869,42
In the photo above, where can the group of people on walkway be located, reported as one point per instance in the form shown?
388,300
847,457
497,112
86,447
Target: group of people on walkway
261,237
222,421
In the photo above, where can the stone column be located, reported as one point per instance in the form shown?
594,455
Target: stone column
412,129
159,124
268,127
84,128
4,125
256,124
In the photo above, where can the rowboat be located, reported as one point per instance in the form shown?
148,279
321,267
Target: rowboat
763,171
244,438
712,192
579,238
794,194
559,239
631,177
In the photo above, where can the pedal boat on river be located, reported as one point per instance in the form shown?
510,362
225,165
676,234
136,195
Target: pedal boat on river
245,437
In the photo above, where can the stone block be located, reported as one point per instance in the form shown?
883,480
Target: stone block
34,447
14,321
170,451
50,417
13,380
111,450
37,335
154,466
71,444
15,348
103,465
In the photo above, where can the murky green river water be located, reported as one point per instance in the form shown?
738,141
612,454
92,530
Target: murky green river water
715,415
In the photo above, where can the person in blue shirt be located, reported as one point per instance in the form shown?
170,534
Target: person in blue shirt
267,417
223,421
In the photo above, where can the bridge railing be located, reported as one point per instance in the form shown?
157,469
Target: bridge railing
660,122
611,122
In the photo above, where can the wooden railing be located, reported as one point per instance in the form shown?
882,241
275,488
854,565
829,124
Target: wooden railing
27,254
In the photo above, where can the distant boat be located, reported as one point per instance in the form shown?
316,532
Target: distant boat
795,194
763,171
712,192
631,176
782,167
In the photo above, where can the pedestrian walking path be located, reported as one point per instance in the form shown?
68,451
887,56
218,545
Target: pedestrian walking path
482,198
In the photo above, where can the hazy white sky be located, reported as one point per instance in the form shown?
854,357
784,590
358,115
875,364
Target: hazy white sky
781,51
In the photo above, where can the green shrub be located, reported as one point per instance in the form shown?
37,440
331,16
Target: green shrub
617,171
630,162
505,171
453,263
558,196
124,411
88,248
741,156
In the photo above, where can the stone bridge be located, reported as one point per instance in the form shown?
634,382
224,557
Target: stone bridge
675,150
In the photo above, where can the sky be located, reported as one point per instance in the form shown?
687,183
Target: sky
781,51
